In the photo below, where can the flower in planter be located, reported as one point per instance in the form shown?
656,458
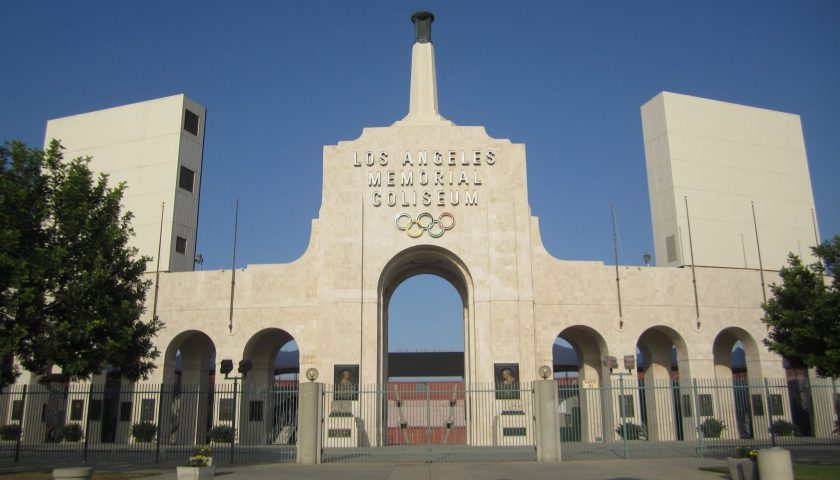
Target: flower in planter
748,452
201,457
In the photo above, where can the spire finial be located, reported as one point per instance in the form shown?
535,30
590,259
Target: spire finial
422,26
423,106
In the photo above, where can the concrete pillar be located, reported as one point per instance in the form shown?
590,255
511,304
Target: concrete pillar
774,464
548,423
309,423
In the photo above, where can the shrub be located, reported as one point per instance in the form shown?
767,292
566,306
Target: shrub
634,431
72,432
9,432
222,434
712,428
143,431
784,428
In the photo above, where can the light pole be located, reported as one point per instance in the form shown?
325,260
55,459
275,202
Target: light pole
226,367
629,363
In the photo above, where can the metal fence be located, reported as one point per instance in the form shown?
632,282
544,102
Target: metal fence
623,417
122,422
428,422
629,417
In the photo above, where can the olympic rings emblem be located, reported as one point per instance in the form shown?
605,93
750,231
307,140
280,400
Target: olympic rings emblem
425,222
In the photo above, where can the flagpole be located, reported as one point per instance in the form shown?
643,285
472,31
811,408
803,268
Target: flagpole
233,265
157,268
758,247
691,252
617,277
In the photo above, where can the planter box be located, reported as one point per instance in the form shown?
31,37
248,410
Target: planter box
79,473
196,473
742,469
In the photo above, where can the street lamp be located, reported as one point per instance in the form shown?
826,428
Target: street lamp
226,366
629,363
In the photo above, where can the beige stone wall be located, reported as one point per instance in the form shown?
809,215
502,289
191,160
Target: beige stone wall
517,297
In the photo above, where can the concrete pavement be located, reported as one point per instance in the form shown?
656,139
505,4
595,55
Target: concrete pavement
641,469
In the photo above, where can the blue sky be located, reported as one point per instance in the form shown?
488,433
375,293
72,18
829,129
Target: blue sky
282,79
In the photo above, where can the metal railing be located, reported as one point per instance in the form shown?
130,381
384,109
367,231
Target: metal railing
416,421
630,417
122,422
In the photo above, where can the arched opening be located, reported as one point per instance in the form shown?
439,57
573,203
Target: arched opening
424,307
578,371
273,352
734,353
268,402
422,264
188,376
664,404
425,331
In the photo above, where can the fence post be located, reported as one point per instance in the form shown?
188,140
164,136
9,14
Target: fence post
428,422
701,448
87,423
621,412
769,413
233,420
309,423
20,423
548,422
159,423
605,394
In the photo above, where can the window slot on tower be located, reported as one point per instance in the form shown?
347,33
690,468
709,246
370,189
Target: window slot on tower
191,122
186,179
181,245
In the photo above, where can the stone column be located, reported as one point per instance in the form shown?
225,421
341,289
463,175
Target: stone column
309,423
548,423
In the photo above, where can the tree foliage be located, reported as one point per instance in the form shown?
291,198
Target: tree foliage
72,290
804,313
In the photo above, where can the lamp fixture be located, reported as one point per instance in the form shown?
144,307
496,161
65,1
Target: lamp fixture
545,372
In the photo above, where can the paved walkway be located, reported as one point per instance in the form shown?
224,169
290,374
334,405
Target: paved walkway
648,469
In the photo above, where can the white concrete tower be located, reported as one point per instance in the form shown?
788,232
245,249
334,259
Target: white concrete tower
156,147
726,160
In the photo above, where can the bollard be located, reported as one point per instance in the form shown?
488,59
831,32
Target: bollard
547,421
78,473
775,464
309,423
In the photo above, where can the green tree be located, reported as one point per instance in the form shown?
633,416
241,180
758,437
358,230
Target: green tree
72,290
803,316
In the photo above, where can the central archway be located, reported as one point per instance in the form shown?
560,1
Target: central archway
403,421
424,260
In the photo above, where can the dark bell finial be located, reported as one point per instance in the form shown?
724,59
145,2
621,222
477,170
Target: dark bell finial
422,26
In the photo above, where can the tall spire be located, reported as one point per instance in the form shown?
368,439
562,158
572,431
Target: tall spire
423,104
